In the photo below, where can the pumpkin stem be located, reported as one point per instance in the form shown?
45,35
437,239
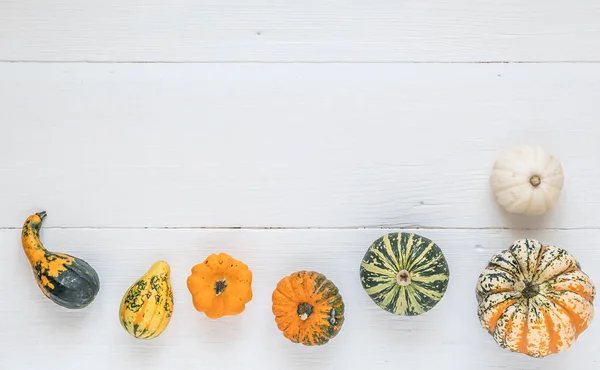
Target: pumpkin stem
535,180
220,286
304,311
403,278
528,289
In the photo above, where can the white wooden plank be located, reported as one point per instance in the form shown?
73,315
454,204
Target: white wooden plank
448,337
266,30
289,145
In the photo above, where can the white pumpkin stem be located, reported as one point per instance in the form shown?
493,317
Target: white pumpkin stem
403,278
535,180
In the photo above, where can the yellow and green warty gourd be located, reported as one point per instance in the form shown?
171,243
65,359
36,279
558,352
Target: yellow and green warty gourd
147,306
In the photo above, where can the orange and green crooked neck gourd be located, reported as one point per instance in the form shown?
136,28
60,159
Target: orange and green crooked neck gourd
68,281
147,306
534,299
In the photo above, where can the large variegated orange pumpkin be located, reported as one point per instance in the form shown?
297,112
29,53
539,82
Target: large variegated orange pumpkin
535,299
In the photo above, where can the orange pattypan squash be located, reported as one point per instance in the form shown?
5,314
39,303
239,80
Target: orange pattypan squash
220,286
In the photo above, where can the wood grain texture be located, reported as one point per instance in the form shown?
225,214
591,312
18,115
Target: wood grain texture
288,31
370,337
170,130
317,145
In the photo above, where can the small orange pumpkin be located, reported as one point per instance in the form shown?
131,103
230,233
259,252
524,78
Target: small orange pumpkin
220,286
308,308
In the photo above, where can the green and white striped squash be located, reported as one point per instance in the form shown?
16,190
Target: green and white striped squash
405,274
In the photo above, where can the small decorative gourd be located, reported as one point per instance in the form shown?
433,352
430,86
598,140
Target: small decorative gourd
527,180
68,281
534,299
147,306
308,308
220,286
405,274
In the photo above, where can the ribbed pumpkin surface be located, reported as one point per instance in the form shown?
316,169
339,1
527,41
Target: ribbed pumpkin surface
308,308
535,299
405,274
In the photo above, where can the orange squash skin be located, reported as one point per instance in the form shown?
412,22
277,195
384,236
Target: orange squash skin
534,299
220,286
308,308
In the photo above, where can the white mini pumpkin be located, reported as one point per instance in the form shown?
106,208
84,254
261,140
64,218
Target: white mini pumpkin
527,180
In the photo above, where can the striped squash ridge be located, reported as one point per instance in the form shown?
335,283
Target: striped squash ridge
404,273
534,299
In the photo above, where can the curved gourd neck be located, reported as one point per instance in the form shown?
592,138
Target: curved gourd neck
34,249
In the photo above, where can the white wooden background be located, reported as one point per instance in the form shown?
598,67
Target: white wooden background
291,135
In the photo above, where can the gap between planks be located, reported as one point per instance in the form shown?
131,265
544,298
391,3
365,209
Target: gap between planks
408,227
25,61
